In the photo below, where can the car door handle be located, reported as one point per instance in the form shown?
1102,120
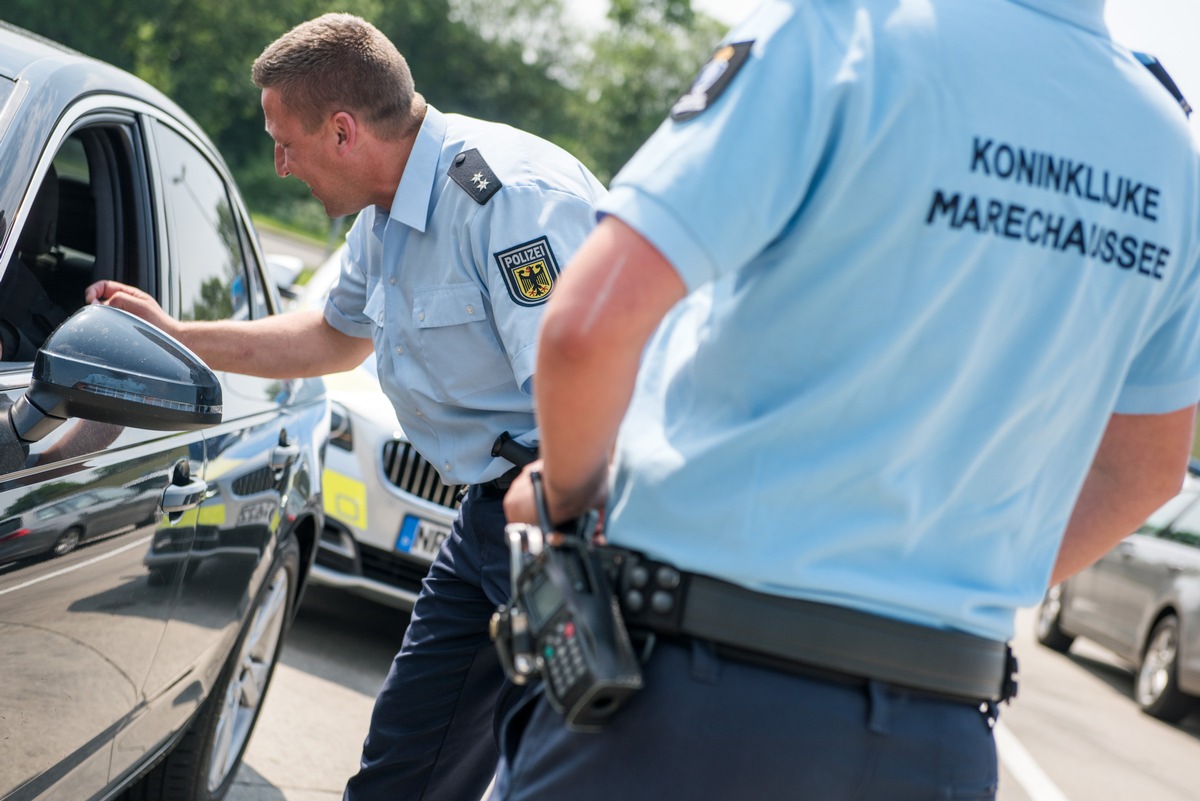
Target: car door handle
181,497
284,454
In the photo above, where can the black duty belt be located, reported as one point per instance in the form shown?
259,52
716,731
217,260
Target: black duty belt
520,455
784,631
500,485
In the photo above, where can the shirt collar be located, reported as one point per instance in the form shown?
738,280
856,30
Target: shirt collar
410,206
1087,14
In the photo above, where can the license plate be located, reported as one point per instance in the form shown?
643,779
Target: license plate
421,537
257,512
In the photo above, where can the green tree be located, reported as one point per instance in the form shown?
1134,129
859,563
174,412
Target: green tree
514,61
636,69
492,59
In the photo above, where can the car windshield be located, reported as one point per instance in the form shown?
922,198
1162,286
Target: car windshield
7,88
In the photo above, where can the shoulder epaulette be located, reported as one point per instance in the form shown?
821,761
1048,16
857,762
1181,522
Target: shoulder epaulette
1156,68
474,175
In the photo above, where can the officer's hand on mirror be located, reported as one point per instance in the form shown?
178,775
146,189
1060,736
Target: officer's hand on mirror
130,299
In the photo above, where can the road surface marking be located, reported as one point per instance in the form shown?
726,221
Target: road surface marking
1021,765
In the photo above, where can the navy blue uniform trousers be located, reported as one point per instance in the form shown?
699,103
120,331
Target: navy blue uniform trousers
708,727
432,733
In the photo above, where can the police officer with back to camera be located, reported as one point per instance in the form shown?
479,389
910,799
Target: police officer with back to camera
919,281
463,229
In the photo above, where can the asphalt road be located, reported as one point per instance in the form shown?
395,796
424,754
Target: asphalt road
309,253
1074,732
307,741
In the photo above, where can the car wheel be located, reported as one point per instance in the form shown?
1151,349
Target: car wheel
66,542
1156,689
202,765
1049,621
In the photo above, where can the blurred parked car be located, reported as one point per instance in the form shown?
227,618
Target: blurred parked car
124,675
58,528
1142,602
386,509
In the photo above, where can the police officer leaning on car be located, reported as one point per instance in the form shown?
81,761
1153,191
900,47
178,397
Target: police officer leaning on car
922,279
463,228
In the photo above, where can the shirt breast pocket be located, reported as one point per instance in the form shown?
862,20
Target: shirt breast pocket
460,348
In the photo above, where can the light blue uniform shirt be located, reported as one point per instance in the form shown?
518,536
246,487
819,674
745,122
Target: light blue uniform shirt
454,337
932,245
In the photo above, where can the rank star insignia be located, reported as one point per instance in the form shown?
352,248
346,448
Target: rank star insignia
480,182
530,271
473,174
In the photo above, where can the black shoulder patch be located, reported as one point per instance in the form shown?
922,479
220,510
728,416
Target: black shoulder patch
712,80
1159,71
530,271
473,174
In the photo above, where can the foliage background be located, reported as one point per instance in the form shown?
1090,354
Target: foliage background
599,93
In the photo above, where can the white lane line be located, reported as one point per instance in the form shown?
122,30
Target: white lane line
65,570
1021,765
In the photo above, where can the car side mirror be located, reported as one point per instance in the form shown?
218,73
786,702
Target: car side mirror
284,270
107,365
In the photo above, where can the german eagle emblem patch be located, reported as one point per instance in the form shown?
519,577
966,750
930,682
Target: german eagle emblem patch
529,271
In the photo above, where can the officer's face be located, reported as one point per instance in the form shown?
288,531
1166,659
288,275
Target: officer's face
309,156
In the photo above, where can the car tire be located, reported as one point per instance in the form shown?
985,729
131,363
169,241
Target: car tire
202,765
1156,687
67,541
1049,629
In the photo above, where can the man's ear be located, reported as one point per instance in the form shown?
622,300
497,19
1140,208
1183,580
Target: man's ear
345,131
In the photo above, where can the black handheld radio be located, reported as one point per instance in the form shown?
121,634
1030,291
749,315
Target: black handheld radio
563,622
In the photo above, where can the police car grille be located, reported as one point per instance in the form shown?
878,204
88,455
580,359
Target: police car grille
405,469
254,482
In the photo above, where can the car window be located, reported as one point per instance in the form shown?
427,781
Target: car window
1186,528
206,236
1162,517
7,87
79,224
47,512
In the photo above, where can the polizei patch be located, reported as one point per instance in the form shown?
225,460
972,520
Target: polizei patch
529,271
711,81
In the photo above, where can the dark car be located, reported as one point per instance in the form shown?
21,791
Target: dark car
168,547
1142,602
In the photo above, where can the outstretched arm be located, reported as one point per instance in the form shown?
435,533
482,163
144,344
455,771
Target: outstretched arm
292,345
1139,465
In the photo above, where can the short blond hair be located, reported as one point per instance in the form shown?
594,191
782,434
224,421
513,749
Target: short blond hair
341,62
